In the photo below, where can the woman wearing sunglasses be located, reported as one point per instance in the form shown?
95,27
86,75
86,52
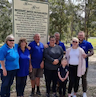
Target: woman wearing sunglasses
77,65
9,59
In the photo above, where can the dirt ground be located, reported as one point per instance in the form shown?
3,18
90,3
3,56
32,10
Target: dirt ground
91,83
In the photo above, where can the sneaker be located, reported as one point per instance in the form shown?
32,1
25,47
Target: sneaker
84,94
32,94
74,96
54,95
72,93
38,93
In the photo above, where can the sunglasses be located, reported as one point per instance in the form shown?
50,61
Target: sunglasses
10,40
74,41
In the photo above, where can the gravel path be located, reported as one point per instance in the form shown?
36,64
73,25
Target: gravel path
92,71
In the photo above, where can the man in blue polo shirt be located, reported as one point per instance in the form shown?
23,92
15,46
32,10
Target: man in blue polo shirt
36,66
88,48
58,42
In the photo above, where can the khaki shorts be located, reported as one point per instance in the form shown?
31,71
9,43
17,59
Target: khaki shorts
36,72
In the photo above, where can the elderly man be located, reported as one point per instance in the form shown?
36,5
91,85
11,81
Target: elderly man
36,63
88,48
58,42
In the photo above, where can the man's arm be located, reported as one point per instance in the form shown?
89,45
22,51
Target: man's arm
64,48
30,65
90,53
42,64
90,50
3,68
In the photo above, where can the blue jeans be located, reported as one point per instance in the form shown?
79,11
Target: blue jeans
7,81
20,85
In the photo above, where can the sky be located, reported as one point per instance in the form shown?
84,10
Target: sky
10,0
74,1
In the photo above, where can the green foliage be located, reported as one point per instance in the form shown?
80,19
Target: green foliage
64,18
58,19
90,18
5,19
68,19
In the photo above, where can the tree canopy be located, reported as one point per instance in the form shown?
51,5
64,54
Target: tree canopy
69,18
5,19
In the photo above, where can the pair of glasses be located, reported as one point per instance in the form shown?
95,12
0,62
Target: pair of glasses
10,40
74,41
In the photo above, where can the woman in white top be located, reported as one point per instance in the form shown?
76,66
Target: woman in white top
76,63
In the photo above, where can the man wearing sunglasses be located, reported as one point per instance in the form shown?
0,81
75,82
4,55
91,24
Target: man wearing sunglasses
88,48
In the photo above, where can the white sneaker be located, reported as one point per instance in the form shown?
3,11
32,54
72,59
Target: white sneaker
72,93
74,96
84,94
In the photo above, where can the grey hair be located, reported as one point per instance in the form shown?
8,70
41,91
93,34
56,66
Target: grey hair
36,34
56,33
8,37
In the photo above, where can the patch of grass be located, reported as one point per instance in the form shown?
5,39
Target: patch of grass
1,44
93,41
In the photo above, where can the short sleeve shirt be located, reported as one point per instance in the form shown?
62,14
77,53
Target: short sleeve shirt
86,46
10,56
63,71
36,54
24,58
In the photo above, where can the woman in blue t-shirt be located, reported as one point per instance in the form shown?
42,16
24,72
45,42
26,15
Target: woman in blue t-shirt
22,73
9,59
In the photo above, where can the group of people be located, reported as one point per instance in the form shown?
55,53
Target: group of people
58,65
